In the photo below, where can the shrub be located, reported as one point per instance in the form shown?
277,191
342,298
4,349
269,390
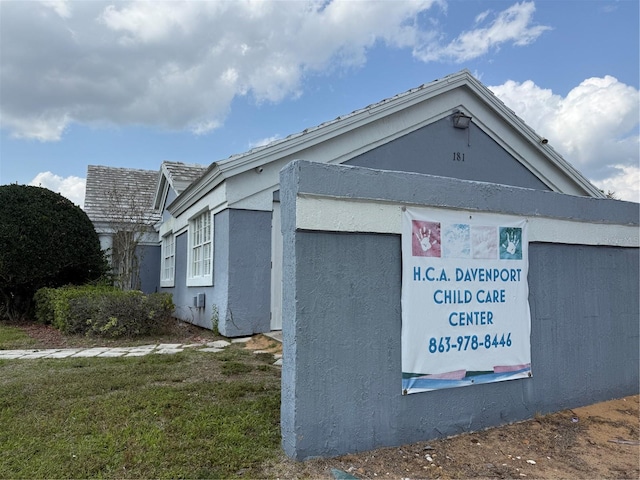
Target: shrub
104,311
43,302
45,241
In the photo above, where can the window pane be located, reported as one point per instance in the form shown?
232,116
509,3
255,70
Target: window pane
201,245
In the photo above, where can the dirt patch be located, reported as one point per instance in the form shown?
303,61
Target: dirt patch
265,344
598,441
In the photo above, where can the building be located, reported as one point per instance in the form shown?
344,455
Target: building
221,255
120,203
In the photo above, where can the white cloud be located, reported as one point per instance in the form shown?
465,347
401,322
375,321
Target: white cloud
513,25
595,127
61,7
624,185
71,187
179,65
264,141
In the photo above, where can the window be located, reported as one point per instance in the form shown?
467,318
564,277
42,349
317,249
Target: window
168,260
201,261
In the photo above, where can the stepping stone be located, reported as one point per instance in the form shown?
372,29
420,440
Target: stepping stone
11,354
114,352
171,346
39,354
241,340
278,363
148,349
218,344
211,350
91,352
64,353
168,351
140,353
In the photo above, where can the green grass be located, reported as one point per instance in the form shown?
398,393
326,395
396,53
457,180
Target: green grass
189,415
14,338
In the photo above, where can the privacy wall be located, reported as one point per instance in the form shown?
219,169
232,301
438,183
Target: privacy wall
342,314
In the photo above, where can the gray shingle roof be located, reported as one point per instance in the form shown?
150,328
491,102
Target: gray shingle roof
120,195
182,174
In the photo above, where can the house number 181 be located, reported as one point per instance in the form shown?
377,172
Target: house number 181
458,157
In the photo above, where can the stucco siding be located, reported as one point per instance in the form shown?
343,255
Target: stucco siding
149,260
238,302
342,320
440,149
250,273
215,296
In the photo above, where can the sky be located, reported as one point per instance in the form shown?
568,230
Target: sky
134,83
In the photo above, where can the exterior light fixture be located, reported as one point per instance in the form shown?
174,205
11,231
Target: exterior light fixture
461,121
544,141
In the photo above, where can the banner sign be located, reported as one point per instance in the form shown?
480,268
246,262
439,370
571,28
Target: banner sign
465,299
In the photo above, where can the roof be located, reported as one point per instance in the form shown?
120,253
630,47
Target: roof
120,195
180,175
557,169
176,175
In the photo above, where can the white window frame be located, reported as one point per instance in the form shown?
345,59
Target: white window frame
168,261
200,258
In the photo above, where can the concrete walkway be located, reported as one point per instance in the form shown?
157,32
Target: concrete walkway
139,351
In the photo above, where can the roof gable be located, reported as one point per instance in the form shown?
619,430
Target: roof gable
176,175
418,107
117,195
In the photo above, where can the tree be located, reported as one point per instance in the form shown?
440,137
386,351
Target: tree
129,218
45,241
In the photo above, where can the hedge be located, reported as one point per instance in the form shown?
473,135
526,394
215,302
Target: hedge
104,311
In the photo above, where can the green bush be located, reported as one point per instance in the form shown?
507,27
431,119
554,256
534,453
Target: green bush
43,301
45,241
104,311
53,305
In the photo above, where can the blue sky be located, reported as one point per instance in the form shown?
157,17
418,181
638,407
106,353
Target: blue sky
131,84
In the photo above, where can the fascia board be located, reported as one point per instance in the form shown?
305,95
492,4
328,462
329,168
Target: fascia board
162,188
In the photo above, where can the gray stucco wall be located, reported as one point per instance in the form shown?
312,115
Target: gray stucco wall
434,150
249,276
341,379
216,295
238,302
149,258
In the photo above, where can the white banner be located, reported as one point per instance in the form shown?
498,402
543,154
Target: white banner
465,299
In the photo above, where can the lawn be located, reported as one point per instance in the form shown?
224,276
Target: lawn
188,415
14,338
